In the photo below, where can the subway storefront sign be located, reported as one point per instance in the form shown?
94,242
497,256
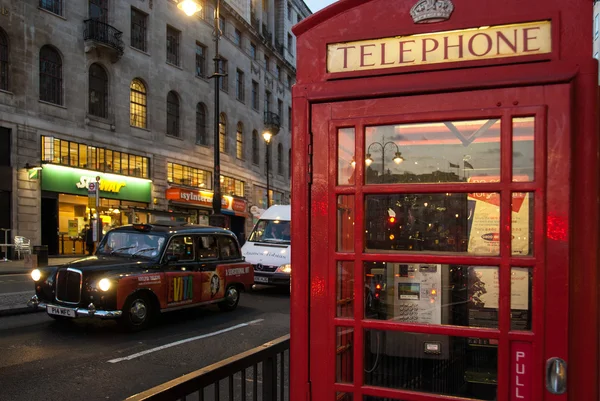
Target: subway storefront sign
76,181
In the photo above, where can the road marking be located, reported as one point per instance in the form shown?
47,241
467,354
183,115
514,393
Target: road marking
18,293
187,340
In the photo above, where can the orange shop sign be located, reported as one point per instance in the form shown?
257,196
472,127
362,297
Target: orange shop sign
205,198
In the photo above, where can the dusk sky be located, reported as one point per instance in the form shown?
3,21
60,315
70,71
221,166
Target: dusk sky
316,5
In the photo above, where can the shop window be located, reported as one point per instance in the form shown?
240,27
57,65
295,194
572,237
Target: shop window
223,133
98,91
50,75
138,104
3,60
189,176
240,141
173,114
232,186
201,132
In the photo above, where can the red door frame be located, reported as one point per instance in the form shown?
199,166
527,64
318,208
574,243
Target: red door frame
570,62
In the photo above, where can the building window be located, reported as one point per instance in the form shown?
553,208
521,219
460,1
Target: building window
255,149
139,23
222,23
173,36
267,62
252,51
239,138
190,176
289,11
201,134
290,43
239,86
223,81
98,10
232,186
596,25
289,81
74,154
280,109
98,91
54,6
289,118
3,60
223,133
280,159
278,72
237,37
173,114
138,104
267,101
255,95
50,75
200,60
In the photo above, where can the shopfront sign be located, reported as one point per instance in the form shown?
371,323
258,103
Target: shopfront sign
486,42
204,198
77,182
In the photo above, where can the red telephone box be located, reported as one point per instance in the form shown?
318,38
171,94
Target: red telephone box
445,212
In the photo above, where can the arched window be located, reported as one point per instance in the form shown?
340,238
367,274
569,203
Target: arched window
255,150
201,134
173,114
138,104
239,138
3,60
98,91
223,133
50,75
280,159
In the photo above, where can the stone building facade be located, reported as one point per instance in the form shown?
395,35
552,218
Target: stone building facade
122,90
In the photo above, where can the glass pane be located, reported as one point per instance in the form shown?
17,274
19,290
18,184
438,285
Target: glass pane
346,162
432,294
449,151
433,223
521,290
522,223
344,352
344,397
345,289
345,223
433,363
523,149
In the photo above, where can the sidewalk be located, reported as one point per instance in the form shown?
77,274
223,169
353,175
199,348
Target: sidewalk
16,302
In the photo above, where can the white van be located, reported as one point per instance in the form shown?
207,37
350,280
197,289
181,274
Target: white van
268,248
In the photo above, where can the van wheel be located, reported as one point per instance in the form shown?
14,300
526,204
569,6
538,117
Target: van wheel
232,298
137,313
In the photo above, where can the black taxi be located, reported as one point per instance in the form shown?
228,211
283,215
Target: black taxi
141,270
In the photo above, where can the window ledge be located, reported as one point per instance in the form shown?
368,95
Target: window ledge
174,137
174,65
242,101
7,92
52,104
140,128
51,13
205,79
202,144
140,51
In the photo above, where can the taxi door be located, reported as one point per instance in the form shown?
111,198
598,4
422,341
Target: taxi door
181,273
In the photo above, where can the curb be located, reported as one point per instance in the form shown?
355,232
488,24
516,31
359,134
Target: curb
19,311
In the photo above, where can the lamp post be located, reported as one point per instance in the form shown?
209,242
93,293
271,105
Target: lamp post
397,156
191,7
267,136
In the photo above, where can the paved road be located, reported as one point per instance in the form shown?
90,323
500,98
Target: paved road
15,283
92,360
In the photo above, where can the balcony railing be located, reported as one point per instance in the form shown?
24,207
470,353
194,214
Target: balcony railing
272,122
105,34
228,379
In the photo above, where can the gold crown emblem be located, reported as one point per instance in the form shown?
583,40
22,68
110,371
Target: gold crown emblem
431,10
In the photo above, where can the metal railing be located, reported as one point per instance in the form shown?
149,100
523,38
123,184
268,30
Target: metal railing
103,33
272,119
261,373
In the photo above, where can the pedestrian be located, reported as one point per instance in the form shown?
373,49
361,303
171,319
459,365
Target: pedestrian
89,240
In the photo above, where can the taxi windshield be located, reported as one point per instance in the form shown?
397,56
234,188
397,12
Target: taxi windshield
134,244
277,231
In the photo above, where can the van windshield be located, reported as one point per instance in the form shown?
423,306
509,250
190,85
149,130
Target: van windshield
276,231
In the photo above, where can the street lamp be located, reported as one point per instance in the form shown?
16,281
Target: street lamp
397,156
190,7
267,136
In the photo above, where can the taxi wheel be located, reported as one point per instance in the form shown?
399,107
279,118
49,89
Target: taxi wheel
232,298
137,313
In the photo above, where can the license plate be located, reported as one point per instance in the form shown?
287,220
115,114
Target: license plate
259,279
57,310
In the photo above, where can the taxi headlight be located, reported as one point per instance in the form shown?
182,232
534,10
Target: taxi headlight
36,275
104,284
285,268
